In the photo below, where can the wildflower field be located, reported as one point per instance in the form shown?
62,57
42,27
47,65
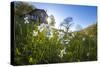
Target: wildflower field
42,43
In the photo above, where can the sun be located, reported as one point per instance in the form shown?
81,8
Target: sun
49,20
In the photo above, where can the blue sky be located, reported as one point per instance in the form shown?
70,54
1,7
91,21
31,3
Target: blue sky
82,15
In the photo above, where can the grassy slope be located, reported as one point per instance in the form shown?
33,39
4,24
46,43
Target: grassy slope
90,30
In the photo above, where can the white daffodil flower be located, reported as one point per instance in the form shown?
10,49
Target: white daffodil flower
35,33
62,52
60,37
73,35
83,39
40,28
26,20
66,42
49,31
42,25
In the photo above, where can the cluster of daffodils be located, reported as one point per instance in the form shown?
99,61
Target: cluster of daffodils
64,42
47,28
49,34
61,37
62,52
42,27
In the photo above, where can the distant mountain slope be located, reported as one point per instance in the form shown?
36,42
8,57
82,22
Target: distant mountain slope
90,30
